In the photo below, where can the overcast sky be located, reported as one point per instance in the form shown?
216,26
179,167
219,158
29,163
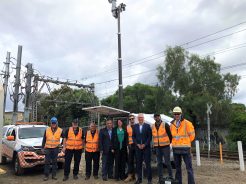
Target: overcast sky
77,40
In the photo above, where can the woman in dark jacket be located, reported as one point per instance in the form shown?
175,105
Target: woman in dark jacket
120,142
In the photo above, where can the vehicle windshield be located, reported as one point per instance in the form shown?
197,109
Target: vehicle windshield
31,132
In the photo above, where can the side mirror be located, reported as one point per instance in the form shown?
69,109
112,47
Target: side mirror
10,138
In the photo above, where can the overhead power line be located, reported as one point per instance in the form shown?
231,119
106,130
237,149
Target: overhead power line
186,43
222,68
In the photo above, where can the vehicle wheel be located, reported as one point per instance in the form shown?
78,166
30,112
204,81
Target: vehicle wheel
60,165
17,168
4,160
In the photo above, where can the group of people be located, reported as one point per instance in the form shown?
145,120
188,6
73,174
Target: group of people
121,146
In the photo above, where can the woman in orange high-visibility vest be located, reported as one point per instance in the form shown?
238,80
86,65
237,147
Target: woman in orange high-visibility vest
73,145
183,134
92,151
51,142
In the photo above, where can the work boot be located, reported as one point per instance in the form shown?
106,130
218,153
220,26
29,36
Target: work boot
46,178
129,178
65,178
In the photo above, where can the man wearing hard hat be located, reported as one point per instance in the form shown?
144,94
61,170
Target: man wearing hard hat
183,134
51,142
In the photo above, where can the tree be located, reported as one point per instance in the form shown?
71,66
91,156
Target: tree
237,130
143,98
195,81
66,104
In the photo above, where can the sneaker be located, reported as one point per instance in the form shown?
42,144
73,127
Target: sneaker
65,178
46,178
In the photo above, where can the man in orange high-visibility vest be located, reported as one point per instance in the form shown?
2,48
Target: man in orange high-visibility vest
92,152
183,134
72,145
162,139
51,142
131,150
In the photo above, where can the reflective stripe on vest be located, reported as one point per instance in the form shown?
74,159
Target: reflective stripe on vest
74,141
160,137
53,138
92,143
180,135
129,132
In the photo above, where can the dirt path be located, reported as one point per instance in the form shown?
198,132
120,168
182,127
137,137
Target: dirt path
211,172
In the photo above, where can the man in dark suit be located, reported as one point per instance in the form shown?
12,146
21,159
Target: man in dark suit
142,136
105,145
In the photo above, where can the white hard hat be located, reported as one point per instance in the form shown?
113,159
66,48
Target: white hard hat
177,110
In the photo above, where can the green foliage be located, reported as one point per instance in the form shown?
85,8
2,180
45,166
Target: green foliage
186,80
196,81
66,104
237,130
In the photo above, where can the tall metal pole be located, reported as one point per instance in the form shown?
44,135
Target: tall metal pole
28,88
120,62
116,10
17,85
1,119
5,84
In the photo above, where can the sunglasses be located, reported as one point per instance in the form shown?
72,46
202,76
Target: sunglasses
131,118
176,114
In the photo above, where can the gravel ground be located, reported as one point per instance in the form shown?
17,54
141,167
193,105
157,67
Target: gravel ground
211,172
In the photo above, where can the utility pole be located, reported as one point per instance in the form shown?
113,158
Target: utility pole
17,84
5,84
116,10
1,120
28,89
209,106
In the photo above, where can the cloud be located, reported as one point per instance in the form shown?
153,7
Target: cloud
78,39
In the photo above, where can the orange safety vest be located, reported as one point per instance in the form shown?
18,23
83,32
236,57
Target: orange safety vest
53,138
182,135
129,132
74,142
160,137
92,143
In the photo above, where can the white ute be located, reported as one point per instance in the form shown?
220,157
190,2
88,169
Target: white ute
22,144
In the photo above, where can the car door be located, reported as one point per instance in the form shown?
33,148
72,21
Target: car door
8,145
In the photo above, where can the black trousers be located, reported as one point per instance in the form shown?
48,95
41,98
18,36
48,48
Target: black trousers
120,164
143,155
69,154
131,159
51,155
89,157
107,164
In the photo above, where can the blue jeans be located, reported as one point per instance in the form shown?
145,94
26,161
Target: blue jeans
188,163
160,152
